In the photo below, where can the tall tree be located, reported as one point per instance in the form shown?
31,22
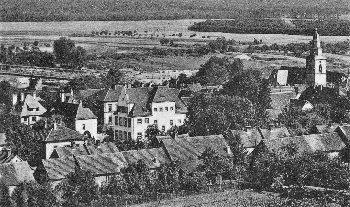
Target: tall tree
79,188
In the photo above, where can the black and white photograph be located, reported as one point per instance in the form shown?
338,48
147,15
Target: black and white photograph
174,103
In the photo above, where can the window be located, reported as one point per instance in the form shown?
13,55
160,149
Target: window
116,121
166,108
139,135
125,135
129,135
120,135
171,108
25,119
30,109
56,146
129,122
171,122
180,121
120,121
37,109
155,122
110,119
155,109
83,126
163,128
160,109
126,122
147,120
139,121
33,118
109,107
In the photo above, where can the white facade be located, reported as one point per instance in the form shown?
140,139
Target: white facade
163,114
86,125
109,108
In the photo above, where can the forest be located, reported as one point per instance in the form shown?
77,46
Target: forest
110,10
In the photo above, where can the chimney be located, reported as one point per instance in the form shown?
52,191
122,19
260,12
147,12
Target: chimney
228,148
63,96
55,126
248,128
14,99
71,92
34,95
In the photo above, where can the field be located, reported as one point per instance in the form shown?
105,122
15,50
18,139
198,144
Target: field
237,198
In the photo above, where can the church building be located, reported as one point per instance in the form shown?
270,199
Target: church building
316,64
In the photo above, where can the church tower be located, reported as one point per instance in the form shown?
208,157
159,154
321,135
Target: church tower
316,64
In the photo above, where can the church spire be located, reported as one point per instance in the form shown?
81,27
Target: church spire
316,44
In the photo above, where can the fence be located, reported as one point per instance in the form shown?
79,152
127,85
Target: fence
116,201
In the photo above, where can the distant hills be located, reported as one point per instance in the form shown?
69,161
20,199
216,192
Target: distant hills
111,10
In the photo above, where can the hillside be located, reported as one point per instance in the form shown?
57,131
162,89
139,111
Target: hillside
65,10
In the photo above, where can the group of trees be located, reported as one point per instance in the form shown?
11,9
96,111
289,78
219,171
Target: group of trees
26,56
274,26
68,55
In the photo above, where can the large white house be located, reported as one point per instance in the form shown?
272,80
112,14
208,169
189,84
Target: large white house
141,107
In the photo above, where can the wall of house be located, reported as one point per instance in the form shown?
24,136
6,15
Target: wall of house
107,113
101,180
30,121
90,125
49,147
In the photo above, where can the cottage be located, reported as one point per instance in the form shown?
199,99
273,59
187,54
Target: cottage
30,110
153,158
60,136
13,174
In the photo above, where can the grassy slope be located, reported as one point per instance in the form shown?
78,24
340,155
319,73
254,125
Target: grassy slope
38,10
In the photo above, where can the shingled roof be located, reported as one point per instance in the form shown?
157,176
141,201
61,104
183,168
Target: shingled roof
249,138
62,133
190,148
108,95
153,158
279,100
22,107
84,113
102,164
143,97
13,174
103,148
58,169
329,142
63,152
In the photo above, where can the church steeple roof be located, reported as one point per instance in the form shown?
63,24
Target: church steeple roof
316,49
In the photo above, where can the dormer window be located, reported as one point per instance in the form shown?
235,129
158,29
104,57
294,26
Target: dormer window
160,109
171,108
83,126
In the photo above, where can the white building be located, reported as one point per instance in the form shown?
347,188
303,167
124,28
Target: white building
61,136
30,110
316,64
141,107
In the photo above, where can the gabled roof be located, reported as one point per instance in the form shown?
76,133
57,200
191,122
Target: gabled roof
108,95
13,174
143,97
58,169
103,148
326,128
274,133
84,113
153,158
102,164
63,152
190,148
7,157
329,142
249,138
62,134
22,108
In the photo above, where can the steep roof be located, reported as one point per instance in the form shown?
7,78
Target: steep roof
64,134
22,108
102,164
249,138
12,174
6,156
328,142
274,133
153,158
58,169
84,113
108,95
143,97
103,148
190,148
279,100
63,152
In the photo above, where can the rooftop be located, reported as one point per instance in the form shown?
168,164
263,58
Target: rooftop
62,133
13,174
